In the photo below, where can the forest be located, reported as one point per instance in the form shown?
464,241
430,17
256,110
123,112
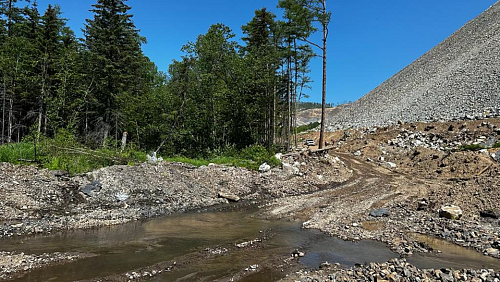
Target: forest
220,95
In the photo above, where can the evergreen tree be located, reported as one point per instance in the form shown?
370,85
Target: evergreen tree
303,15
116,60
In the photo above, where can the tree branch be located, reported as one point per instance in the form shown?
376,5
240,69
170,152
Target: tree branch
312,43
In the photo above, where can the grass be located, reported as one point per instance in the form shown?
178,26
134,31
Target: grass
13,153
72,157
304,128
496,145
251,158
64,153
470,148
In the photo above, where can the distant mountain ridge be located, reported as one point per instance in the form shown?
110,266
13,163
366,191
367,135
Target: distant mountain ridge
458,77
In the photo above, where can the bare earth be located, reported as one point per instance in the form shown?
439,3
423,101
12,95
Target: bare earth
410,170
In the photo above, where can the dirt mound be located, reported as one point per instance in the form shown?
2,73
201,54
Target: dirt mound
455,79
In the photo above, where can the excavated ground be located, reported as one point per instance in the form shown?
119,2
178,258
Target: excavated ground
409,170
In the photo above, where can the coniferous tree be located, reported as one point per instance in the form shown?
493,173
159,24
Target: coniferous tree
114,46
302,16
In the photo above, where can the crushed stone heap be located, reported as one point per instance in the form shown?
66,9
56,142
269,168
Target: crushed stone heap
458,78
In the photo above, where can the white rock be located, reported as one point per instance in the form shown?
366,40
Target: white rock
390,165
264,167
450,212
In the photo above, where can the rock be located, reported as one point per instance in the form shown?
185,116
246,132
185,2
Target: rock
152,159
422,205
93,187
264,167
297,253
229,196
491,252
390,165
122,196
278,156
290,169
325,265
450,212
380,213
357,153
489,214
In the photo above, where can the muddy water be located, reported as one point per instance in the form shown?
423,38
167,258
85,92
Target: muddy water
121,249
451,256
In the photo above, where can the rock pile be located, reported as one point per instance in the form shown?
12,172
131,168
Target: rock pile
458,79
396,270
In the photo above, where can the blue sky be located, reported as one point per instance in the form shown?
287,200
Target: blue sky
369,40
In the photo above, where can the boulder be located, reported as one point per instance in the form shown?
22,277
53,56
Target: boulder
229,196
290,169
489,214
264,167
380,213
491,252
450,212
390,165
122,196
92,188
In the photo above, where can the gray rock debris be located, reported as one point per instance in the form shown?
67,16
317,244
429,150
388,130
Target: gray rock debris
456,79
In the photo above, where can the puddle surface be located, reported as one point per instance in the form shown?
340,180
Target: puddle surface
451,256
120,249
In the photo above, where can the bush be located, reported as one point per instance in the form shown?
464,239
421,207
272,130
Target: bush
65,153
251,158
304,128
470,148
16,152
496,145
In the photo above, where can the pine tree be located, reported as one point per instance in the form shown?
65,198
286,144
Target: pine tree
262,59
116,57
302,16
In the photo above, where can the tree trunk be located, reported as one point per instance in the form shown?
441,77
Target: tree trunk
323,99
3,110
295,95
11,106
288,98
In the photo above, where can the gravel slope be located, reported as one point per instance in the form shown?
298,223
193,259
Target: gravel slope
457,78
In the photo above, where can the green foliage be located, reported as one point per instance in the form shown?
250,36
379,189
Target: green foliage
251,158
15,152
472,147
312,105
496,145
77,97
65,153
306,127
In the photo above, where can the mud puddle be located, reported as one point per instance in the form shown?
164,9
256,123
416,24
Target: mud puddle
451,256
121,249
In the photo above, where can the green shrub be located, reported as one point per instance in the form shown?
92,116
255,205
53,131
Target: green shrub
496,145
16,152
304,128
471,147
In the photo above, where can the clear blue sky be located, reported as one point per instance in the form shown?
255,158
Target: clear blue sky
369,41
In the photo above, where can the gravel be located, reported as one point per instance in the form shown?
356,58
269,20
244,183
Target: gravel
457,79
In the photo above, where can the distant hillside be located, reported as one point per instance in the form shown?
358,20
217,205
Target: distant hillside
312,105
459,77
305,117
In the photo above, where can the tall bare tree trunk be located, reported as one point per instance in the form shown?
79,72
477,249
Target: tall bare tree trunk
11,106
274,113
3,110
323,99
289,98
295,94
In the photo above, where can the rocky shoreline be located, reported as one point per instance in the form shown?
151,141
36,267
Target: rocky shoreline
393,270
